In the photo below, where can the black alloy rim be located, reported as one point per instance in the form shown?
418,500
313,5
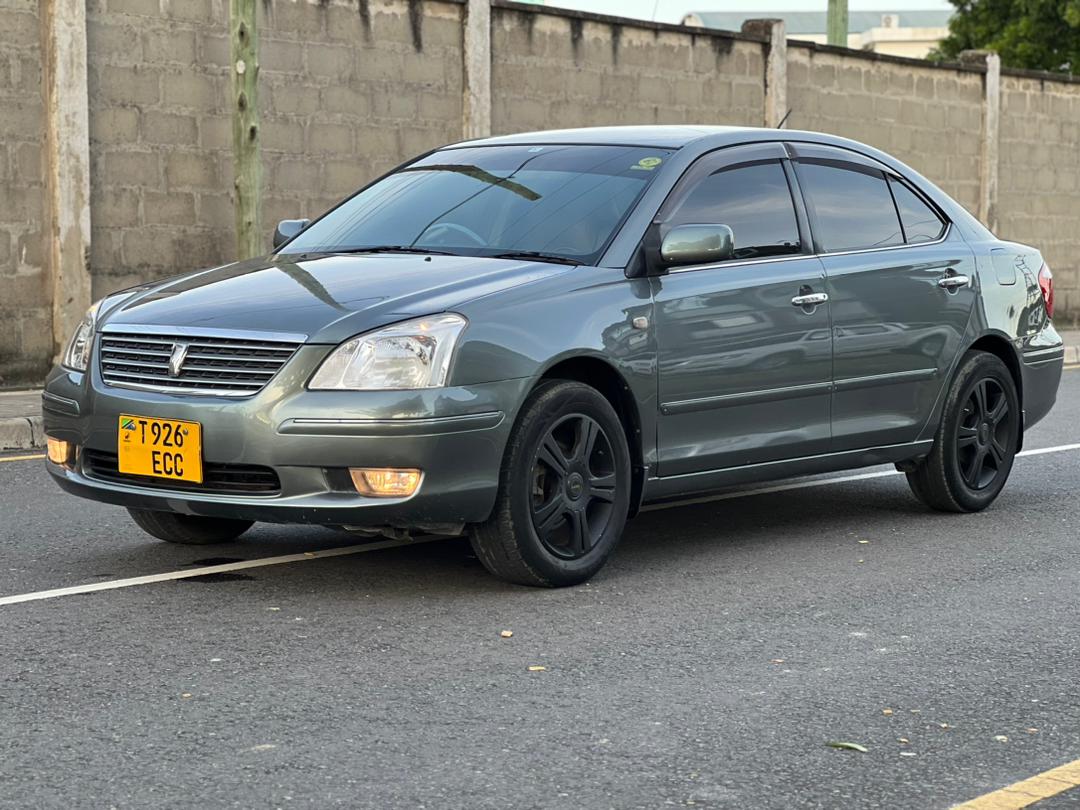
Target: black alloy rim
982,440
573,486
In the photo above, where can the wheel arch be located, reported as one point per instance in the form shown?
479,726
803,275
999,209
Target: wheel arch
1001,347
600,374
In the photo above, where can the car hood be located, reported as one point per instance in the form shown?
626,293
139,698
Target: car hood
326,297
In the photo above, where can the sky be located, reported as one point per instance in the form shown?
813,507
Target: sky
673,10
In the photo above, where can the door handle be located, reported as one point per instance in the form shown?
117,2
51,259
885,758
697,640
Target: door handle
952,283
809,300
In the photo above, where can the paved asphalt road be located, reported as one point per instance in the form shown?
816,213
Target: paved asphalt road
708,665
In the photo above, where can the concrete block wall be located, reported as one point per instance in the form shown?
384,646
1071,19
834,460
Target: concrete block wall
553,71
160,139
348,91
1039,178
25,308
928,117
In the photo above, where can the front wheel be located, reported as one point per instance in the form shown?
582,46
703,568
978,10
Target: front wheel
976,441
564,490
188,530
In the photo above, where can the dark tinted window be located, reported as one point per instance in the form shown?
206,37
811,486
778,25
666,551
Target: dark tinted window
753,200
565,200
852,206
921,223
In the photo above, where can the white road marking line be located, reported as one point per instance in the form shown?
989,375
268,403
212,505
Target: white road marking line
21,458
820,482
149,579
1039,451
209,569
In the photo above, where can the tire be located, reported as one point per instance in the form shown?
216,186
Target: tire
564,490
975,443
188,530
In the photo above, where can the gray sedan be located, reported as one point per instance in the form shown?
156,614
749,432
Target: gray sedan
526,338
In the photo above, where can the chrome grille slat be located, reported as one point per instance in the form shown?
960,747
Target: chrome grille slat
213,366
268,373
113,361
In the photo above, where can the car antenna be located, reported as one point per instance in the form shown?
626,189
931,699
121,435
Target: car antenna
784,119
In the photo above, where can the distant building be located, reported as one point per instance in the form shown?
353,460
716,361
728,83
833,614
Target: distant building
900,33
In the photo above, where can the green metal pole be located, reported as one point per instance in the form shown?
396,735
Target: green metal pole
247,167
837,26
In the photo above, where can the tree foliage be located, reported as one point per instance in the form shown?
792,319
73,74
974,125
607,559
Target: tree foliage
1031,34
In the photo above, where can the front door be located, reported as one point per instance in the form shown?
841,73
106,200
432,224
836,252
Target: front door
900,288
745,349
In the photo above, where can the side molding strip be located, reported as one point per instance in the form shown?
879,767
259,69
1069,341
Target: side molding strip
796,391
425,426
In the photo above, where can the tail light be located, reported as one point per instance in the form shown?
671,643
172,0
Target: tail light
1046,284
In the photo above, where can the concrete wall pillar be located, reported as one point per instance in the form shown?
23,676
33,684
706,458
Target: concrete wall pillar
988,176
775,32
66,163
991,128
477,48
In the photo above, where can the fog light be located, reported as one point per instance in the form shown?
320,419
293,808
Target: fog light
385,482
59,452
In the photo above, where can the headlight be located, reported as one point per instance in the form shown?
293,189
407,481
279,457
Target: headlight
413,354
77,355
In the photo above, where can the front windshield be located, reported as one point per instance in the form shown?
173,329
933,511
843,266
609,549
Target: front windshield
562,201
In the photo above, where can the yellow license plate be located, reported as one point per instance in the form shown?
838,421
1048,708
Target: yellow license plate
162,448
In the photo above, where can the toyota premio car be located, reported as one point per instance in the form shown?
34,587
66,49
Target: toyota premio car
526,338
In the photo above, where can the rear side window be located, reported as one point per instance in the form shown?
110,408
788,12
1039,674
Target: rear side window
851,206
921,222
754,200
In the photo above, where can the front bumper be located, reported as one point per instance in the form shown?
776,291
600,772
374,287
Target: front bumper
455,435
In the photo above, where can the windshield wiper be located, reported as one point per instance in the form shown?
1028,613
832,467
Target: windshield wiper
538,256
393,249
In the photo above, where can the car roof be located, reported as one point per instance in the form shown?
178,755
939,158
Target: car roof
699,138
668,136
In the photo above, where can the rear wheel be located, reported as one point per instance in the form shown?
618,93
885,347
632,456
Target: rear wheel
976,441
564,490
188,530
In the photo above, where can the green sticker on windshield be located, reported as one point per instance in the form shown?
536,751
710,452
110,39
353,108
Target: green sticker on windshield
648,163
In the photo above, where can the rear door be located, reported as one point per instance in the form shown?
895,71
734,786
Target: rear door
899,281
744,367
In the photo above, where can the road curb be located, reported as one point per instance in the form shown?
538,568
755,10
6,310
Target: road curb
1072,355
21,433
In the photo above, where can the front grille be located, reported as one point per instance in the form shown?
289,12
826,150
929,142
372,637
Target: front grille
222,479
211,365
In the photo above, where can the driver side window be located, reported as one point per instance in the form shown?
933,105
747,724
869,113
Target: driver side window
752,199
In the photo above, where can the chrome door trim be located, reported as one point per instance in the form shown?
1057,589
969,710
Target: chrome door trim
743,262
905,246
738,263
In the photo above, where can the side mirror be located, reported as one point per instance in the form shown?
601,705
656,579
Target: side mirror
697,244
287,229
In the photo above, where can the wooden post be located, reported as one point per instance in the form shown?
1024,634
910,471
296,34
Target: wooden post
244,47
66,164
837,24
